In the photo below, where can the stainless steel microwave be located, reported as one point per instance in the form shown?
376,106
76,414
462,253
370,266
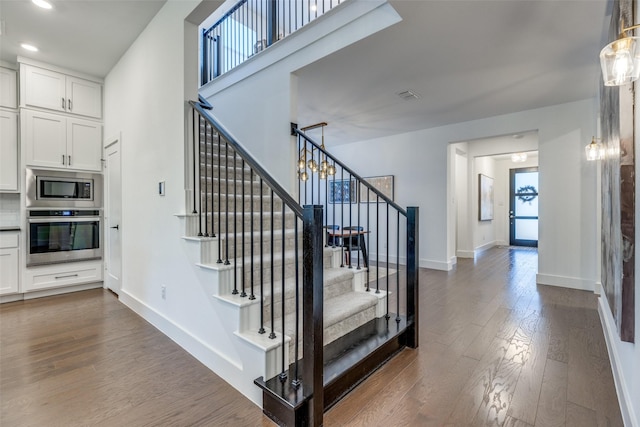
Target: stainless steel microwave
62,189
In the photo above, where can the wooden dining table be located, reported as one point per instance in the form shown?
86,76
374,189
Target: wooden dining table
348,237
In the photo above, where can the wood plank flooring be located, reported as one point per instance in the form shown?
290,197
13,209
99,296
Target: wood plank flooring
495,349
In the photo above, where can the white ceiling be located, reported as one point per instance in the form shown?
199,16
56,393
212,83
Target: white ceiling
88,36
466,59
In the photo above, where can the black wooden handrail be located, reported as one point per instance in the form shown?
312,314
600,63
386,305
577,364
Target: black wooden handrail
297,132
249,160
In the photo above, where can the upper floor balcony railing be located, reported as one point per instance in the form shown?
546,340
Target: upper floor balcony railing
250,27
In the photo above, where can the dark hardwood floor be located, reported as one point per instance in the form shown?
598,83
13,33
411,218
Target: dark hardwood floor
495,349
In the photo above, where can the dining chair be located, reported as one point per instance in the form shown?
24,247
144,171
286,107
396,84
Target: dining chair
333,241
352,243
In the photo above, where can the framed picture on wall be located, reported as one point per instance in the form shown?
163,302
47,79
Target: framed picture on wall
485,198
382,183
343,191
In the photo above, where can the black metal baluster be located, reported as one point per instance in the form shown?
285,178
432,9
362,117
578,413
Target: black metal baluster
299,172
368,237
235,226
283,373
333,184
261,330
195,159
253,295
219,261
398,268
296,381
272,335
206,176
350,220
199,178
360,235
243,293
226,203
341,214
387,245
377,245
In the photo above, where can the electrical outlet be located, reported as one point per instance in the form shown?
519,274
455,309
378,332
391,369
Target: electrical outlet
163,290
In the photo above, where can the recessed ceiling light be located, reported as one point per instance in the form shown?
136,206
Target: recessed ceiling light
518,136
29,47
42,3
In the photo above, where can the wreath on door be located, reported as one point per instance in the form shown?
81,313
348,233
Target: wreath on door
527,194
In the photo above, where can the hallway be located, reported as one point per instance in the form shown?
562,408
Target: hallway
495,349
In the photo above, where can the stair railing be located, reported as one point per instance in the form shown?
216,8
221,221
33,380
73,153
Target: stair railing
223,172
380,224
251,26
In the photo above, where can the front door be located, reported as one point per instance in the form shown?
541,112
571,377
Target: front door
523,208
113,216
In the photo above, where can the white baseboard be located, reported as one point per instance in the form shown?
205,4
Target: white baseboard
610,335
220,364
437,265
466,254
565,282
484,247
50,292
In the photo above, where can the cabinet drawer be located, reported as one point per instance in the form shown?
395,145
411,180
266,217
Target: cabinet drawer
8,240
44,278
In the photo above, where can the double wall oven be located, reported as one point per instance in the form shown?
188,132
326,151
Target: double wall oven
64,216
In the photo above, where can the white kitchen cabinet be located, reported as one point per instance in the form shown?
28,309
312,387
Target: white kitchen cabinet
8,150
56,141
59,275
60,92
9,262
8,88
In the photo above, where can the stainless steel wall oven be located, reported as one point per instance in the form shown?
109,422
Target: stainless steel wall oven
56,236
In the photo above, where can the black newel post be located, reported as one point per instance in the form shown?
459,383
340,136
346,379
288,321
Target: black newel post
412,276
312,321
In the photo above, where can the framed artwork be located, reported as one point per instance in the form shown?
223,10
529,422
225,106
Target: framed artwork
384,184
343,191
485,198
618,192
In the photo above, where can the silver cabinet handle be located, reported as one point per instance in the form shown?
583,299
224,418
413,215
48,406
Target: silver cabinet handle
63,160
70,105
67,276
63,104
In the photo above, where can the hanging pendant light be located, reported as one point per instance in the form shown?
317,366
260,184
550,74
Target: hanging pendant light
620,59
594,150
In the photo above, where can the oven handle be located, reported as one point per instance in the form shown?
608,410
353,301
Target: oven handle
64,219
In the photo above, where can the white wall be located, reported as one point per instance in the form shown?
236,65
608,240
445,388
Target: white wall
567,254
145,101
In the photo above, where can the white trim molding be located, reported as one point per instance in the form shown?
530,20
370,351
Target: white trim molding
565,282
610,334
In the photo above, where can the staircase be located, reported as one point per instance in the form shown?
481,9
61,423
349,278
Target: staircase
251,237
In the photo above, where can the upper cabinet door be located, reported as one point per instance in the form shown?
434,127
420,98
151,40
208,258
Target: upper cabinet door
84,97
8,88
84,144
44,139
8,151
44,88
